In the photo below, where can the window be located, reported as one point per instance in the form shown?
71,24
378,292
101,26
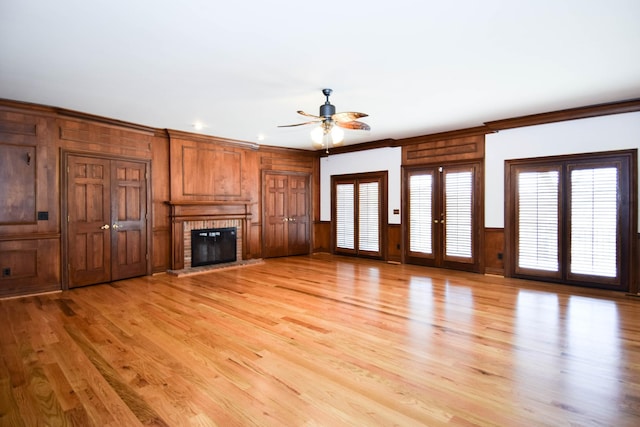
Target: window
359,207
537,221
572,218
420,213
458,192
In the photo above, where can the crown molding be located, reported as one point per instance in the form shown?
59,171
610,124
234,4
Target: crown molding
628,106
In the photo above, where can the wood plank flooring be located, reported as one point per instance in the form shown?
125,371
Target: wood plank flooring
321,341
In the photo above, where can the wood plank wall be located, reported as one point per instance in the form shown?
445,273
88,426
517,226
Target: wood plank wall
33,141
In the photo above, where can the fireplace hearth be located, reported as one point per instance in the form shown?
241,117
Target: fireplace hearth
213,246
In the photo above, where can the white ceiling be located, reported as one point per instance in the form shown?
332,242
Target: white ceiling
244,67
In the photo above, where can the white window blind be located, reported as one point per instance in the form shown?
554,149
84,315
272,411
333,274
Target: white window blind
420,213
537,220
594,213
345,226
458,212
368,221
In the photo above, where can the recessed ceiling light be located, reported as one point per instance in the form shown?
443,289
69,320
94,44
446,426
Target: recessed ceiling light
198,125
261,137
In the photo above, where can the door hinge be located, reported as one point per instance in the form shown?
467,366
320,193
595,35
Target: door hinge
67,169
68,218
146,256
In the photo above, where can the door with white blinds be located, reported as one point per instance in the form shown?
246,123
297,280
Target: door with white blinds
572,219
359,212
442,216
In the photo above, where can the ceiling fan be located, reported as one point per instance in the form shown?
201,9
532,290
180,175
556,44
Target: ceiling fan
327,133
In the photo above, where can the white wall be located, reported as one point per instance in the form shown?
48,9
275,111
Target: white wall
379,159
606,133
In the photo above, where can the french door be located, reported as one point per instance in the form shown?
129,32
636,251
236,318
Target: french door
106,230
571,219
359,204
443,216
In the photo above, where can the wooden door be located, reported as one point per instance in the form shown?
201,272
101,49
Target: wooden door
286,222
298,226
89,220
106,208
443,216
128,219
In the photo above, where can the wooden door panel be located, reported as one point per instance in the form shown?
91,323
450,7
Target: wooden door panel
129,251
298,214
275,234
88,208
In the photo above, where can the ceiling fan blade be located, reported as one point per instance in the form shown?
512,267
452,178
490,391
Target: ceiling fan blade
299,124
347,116
353,125
308,115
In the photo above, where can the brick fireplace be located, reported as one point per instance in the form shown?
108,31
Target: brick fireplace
189,215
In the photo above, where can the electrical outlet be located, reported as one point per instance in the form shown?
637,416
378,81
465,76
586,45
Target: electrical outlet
6,272
499,255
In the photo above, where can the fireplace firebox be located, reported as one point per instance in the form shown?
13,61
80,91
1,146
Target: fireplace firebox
213,246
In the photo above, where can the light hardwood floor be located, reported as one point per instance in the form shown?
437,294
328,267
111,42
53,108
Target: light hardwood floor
321,341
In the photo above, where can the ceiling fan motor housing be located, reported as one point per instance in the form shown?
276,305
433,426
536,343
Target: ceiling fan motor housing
327,110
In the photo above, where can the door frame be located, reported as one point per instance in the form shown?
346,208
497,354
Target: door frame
64,207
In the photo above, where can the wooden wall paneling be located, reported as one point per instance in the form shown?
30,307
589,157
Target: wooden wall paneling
287,160
29,265
251,191
494,251
85,136
211,172
160,190
28,175
394,245
322,236
29,203
206,168
422,150
18,184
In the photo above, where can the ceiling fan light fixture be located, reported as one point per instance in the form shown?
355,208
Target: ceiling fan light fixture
327,135
317,135
337,135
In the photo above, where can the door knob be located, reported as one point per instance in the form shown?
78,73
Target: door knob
116,226
105,227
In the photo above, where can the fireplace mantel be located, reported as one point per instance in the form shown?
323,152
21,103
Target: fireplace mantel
205,210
